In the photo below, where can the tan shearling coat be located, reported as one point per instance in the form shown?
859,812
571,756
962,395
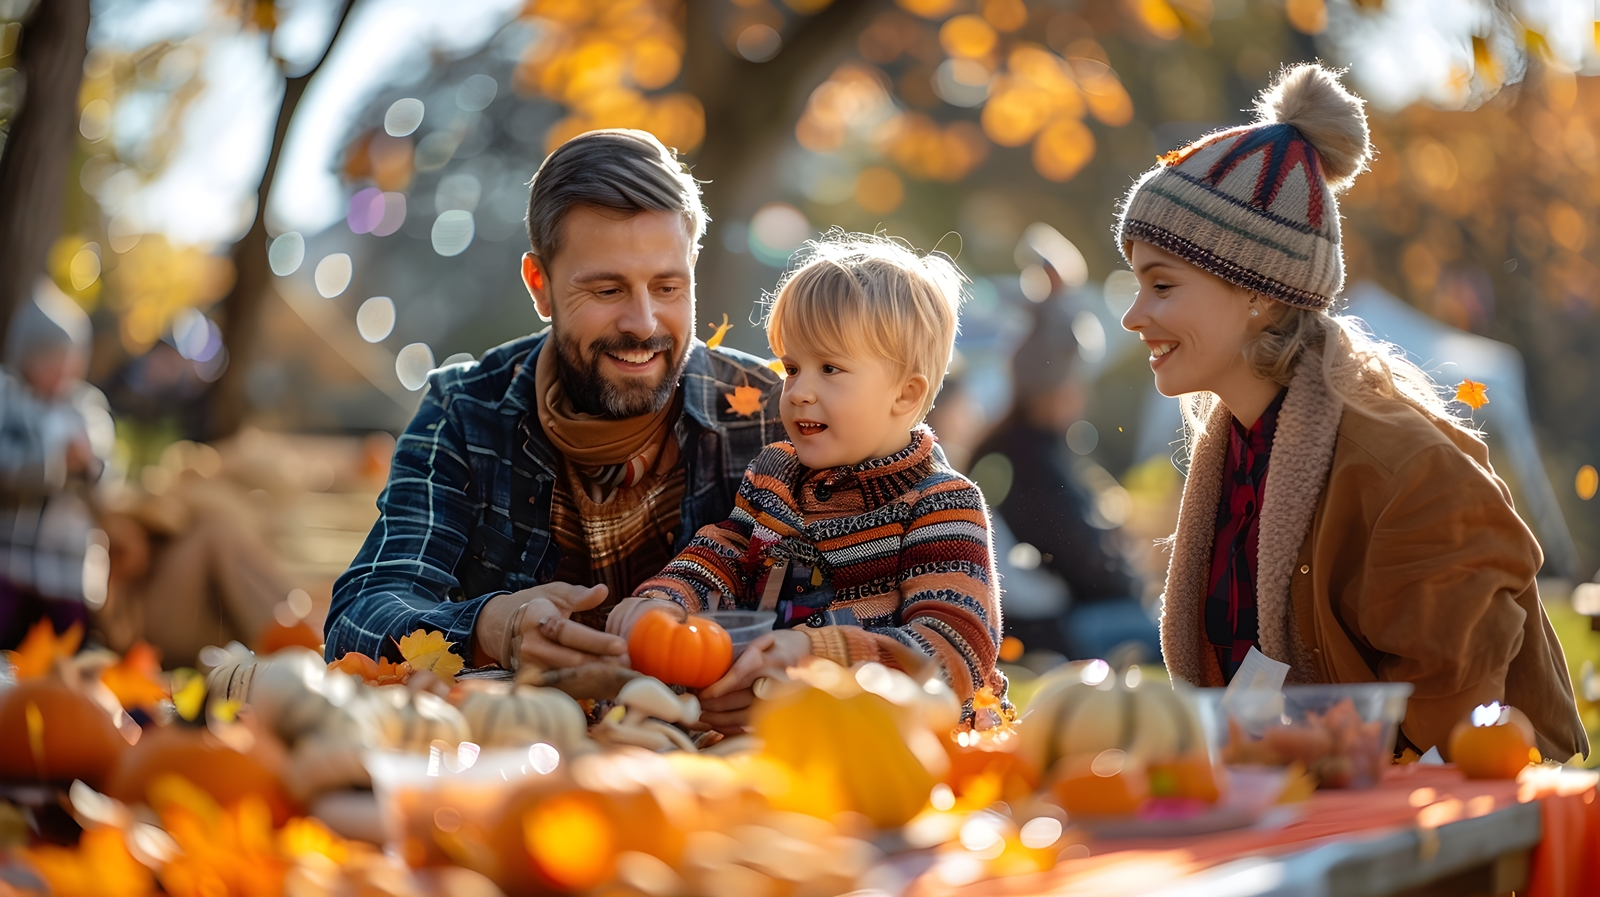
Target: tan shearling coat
1389,551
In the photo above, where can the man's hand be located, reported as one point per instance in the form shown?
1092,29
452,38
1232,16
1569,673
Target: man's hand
531,628
725,704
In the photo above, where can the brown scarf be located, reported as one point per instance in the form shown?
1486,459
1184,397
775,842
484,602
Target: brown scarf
608,452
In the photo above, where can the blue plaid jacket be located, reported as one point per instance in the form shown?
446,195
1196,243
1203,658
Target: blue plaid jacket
446,541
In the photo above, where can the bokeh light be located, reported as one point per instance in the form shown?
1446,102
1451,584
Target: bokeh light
286,253
759,42
332,276
375,319
776,230
403,118
452,232
412,365
476,93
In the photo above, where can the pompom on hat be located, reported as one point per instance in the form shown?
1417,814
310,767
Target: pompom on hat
1256,205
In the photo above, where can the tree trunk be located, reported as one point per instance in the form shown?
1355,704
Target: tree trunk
227,404
751,109
34,165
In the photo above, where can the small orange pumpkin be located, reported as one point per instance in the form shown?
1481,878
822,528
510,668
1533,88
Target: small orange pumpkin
199,756
275,637
1494,742
692,652
51,731
1111,783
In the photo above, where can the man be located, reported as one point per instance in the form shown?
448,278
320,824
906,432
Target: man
537,487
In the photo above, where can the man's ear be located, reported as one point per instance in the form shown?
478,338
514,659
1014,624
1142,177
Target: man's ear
537,280
912,392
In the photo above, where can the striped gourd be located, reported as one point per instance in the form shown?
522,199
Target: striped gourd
1067,717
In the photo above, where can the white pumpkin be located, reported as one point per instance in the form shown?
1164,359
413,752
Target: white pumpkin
524,716
403,720
1070,717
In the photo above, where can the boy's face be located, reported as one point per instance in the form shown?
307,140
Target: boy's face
52,372
841,410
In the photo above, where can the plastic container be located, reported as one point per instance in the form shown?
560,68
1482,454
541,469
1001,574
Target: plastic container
1343,733
743,626
449,790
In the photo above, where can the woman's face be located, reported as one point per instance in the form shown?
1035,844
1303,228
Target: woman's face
1195,323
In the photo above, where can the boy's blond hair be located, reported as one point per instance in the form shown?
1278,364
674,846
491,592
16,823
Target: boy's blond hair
862,295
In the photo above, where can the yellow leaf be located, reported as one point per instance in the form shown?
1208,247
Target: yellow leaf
1473,394
722,331
429,651
744,400
42,647
188,693
776,365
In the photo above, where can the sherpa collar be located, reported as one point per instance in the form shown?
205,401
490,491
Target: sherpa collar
1302,454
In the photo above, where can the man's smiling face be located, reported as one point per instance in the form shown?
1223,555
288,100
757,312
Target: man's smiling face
620,296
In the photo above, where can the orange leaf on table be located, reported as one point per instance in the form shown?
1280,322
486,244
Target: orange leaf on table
744,400
430,651
1473,394
391,673
41,648
136,678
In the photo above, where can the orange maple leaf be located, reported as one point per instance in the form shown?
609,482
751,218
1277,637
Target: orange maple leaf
1473,394
429,651
373,672
391,673
722,331
136,678
99,865
42,647
744,400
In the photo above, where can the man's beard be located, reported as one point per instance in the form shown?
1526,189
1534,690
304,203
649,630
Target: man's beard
591,392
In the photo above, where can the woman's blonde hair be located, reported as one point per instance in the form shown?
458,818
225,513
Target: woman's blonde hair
1357,368
863,295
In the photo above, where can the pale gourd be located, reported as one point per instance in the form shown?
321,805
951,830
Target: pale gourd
1070,718
403,720
525,716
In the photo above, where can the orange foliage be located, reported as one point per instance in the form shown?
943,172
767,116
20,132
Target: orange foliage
42,647
136,678
100,866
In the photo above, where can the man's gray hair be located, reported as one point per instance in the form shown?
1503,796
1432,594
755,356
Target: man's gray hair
624,170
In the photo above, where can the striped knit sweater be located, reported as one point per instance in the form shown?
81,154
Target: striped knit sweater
902,542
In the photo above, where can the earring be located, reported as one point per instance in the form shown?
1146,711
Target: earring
1254,312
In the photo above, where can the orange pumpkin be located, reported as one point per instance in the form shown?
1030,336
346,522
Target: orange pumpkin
275,637
50,731
692,652
1494,742
981,763
356,664
1111,783
1189,777
199,756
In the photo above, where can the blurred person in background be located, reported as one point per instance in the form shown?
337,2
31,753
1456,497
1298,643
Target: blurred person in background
540,485
56,438
1050,506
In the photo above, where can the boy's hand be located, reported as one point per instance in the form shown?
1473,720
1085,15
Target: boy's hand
725,704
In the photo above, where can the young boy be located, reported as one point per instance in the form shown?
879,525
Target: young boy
860,537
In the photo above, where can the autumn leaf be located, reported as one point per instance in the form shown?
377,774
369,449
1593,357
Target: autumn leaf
429,651
41,648
136,678
722,331
99,865
188,693
391,673
1473,394
777,367
744,400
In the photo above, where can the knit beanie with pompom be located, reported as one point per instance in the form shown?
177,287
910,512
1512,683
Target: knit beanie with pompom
1256,205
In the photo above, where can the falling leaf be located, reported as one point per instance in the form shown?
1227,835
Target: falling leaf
744,400
1473,394
722,331
136,678
41,648
776,365
429,651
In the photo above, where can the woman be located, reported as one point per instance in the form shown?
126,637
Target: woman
1337,515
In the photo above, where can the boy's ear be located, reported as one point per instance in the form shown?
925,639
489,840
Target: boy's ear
912,392
537,280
